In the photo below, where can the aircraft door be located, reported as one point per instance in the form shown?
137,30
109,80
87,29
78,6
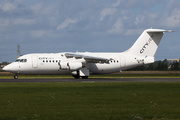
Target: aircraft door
123,61
34,61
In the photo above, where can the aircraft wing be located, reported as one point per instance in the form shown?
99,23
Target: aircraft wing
89,58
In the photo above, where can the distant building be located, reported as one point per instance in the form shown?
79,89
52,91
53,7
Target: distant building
173,60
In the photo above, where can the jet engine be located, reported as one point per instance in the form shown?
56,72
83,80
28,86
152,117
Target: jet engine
70,65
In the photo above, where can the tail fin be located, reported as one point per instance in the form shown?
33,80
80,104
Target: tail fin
147,43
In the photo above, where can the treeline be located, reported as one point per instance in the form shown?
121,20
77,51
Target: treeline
4,63
158,66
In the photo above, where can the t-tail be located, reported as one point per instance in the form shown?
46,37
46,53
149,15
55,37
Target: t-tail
147,44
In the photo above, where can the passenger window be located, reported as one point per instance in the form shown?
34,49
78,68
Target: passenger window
43,60
46,60
53,61
49,60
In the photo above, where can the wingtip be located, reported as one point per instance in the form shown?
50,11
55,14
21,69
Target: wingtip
159,30
171,31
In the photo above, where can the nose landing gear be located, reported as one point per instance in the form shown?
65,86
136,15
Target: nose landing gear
15,76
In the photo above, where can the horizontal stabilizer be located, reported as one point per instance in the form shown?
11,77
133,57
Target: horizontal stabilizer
158,30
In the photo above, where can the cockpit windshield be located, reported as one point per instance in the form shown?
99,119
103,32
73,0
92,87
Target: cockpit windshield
17,60
21,60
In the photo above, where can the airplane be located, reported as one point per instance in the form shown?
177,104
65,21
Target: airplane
83,64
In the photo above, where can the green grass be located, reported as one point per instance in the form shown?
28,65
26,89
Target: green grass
83,101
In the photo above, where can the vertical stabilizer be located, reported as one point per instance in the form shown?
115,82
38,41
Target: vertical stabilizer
147,43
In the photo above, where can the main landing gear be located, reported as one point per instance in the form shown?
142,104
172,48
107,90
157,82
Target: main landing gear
84,77
83,73
77,77
15,76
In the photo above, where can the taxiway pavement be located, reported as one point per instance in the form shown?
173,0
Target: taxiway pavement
92,80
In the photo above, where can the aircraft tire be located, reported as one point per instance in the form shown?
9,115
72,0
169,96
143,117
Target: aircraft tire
76,76
15,76
84,77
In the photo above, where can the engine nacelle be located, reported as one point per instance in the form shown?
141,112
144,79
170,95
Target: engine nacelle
63,66
70,65
75,65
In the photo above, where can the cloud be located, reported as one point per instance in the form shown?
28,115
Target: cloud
4,22
109,11
22,21
66,23
117,27
36,7
116,4
172,20
7,7
130,32
38,33
139,19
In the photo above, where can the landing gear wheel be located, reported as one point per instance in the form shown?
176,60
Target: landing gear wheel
76,76
84,77
15,76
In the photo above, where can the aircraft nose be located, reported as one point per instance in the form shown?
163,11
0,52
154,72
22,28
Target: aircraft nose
11,68
4,68
7,68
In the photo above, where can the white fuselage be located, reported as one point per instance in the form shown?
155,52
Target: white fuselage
48,63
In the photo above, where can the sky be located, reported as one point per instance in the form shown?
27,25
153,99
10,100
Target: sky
53,26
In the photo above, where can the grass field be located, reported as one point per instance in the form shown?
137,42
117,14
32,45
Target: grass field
87,101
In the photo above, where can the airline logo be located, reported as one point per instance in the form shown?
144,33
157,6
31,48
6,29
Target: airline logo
145,45
46,58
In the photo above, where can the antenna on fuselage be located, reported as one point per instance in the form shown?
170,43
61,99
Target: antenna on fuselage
18,51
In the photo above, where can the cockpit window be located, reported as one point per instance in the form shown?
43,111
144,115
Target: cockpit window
17,60
21,60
